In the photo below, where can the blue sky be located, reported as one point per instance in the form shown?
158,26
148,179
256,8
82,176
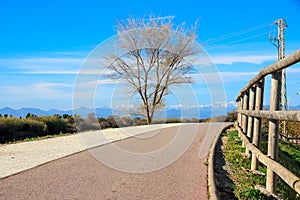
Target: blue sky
43,44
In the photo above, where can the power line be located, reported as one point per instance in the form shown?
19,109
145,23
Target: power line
234,34
236,41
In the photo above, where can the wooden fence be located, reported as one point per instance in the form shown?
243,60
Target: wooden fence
250,112
290,139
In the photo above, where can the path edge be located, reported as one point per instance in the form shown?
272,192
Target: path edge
82,150
212,190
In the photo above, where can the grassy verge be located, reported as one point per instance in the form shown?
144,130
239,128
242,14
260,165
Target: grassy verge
39,138
289,156
237,166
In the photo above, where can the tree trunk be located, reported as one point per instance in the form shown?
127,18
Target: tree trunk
148,115
148,118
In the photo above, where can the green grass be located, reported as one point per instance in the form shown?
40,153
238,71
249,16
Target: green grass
289,154
39,138
289,157
245,181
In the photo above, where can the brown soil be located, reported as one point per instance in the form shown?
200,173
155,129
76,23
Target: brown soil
223,182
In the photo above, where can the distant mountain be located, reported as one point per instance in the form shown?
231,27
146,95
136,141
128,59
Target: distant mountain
294,107
201,111
198,111
267,107
22,112
82,111
35,111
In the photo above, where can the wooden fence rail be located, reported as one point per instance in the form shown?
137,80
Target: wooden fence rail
286,62
279,115
295,140
250,113
281,171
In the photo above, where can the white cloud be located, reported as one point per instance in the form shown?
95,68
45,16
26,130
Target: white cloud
216,104
54,66
221,77
88,83
293,70
42,65
50,86
235,76
53,72
27,63
41,90
71,72
252,59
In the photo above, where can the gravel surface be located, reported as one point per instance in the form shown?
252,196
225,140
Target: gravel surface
21,156
81,176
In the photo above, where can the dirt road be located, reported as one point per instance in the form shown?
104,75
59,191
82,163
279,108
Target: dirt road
82,176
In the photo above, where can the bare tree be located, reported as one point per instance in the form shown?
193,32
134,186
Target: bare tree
158,55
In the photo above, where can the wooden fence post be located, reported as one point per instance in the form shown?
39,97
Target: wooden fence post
245,107
250,119
239,117
241,100
259,97
273,129
275,95
245,117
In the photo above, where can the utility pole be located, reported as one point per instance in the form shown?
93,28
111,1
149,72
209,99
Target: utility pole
279,43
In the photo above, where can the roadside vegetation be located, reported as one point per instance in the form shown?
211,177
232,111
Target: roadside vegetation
13,129
244,181
34,127
289,152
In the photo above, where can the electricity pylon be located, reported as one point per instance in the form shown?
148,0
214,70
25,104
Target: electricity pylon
279,43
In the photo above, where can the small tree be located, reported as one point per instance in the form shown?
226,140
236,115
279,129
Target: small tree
28,115
161,63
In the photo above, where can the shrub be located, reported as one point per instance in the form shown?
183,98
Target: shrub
294,129
12,129
86,126
112,122
55,124
173,120
231,117
104,124
124,121
138,121
35,127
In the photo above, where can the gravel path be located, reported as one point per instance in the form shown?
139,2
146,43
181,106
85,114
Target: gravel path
21,156
81,176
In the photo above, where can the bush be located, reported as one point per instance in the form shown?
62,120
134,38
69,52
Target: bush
12,129
124,121
104,124
231,117
294,129
36,127
55,124
112,122
173,120
86,126
138,121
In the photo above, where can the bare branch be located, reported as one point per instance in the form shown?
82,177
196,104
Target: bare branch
151,70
